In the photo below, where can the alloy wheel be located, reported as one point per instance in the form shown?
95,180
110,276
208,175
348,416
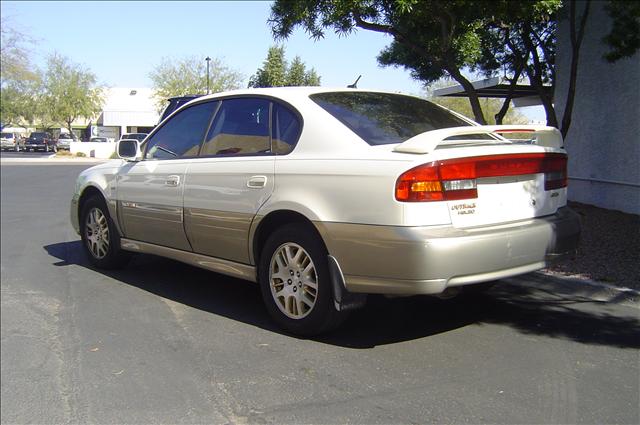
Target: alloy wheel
293,280
97,233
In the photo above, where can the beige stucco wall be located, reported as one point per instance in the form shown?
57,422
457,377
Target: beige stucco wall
604,138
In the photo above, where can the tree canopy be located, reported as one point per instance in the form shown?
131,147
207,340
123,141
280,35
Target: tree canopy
70,91
276,72
188,75
19,83
435,39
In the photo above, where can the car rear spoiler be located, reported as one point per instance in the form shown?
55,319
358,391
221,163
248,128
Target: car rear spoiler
426,142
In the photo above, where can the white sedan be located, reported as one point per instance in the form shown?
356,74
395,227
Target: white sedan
323,196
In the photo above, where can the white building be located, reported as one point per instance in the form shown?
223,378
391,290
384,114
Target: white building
126,110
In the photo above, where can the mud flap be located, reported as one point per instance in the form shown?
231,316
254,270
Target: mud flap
343,300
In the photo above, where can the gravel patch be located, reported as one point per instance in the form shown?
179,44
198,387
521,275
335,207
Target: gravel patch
609,249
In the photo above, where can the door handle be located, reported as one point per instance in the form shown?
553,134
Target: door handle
172,181
257,182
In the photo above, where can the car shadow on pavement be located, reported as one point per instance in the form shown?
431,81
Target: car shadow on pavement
529,310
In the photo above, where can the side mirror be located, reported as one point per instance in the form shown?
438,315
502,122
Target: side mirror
129,150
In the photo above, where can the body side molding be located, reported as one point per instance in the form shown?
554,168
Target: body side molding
226,267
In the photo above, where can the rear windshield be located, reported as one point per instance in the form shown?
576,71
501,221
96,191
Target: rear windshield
7,135
38,135
385,118
64,136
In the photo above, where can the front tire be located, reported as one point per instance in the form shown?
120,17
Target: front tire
100,237
295,283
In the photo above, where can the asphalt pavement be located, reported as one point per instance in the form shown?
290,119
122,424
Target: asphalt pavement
163,342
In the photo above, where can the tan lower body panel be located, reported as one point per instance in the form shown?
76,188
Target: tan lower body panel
219,234
229,268
423,260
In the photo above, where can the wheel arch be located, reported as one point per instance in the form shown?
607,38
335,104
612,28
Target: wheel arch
265,226
92,190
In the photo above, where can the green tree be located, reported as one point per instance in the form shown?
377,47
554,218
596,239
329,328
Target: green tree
311,78
20,102
179,77
70,92
276,72
273,71
296,73
435,39
20,82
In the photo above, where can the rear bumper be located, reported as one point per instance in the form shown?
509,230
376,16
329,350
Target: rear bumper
428,260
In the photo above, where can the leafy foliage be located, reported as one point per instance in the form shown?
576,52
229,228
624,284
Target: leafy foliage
14,54
275,71
19,83
69,92
179,77
435,39
624,38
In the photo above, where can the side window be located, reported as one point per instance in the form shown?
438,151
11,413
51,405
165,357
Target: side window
241,127
181,136
285,128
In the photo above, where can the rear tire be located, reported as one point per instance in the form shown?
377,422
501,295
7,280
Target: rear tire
294,279
100,237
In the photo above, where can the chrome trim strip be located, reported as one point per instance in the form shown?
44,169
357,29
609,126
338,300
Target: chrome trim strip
229,268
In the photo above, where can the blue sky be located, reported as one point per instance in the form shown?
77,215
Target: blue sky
121,42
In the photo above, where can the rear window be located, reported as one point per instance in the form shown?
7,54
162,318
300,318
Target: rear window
7,135
38,135
385,118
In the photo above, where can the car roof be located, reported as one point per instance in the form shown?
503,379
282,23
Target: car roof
288,93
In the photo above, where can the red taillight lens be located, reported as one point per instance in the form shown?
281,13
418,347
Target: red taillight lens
454,179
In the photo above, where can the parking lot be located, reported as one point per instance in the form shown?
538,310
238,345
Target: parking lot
163,342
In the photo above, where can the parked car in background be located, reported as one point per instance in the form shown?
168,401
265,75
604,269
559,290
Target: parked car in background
175,103
137,136
323,196
10,141
99,140
65,139
41,140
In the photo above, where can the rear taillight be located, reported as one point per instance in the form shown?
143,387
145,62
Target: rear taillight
455,179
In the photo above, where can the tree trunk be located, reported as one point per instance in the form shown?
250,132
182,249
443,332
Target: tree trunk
576,42
474,100
505,105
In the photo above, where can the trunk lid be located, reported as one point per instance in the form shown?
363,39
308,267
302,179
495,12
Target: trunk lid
491,182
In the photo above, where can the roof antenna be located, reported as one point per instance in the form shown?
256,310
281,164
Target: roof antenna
355,83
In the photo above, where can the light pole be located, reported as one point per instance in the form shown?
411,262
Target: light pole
208,59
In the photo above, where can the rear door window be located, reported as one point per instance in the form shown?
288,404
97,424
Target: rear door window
285,128
241,127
